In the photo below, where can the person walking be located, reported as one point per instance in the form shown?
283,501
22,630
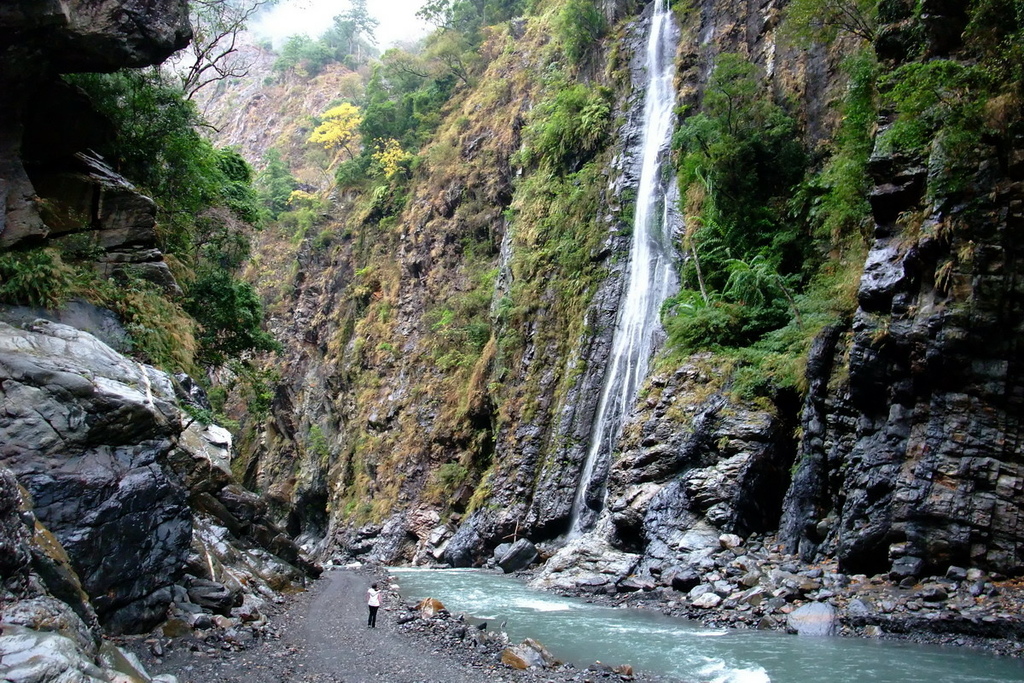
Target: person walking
373,602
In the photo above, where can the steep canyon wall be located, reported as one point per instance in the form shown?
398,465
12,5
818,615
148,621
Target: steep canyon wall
399,431
367,417
118,509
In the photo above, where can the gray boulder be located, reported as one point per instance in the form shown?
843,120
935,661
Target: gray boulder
85,430
813,619
520,556
214,596
465,545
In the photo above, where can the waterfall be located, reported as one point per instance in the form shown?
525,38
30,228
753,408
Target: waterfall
651,275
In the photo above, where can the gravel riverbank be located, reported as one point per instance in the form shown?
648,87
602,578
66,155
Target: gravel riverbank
320,636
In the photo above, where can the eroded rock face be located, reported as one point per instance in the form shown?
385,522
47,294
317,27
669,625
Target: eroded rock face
40,40
910,460
686,466
134,496
83,35
85,431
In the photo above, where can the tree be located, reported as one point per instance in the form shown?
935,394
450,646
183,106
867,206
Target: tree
213,55
350,32
305,55
338,128
275,183
390,156
825,20
453,52
363,25
437,12
229,313
580,24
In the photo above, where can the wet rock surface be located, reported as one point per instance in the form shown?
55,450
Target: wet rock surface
754,584
142,502
84,430
48,629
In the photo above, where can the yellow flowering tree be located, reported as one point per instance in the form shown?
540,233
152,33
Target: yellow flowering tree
389,156
338,129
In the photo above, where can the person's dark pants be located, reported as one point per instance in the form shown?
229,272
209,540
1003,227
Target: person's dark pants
371,621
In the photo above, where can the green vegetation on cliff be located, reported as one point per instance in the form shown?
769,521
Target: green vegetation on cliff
444,269
206,211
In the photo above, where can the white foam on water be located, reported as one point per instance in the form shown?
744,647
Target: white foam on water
542,605
719,672
430,570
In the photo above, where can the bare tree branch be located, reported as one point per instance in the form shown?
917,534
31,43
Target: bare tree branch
213,55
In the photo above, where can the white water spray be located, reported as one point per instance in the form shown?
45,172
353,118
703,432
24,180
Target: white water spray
651,273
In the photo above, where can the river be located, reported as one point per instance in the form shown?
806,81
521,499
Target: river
580,632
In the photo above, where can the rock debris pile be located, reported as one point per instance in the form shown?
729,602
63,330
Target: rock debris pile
753,584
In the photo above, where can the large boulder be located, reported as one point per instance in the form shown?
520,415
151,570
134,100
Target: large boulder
813,619
34,656
520,555
586,560
85,430
466,545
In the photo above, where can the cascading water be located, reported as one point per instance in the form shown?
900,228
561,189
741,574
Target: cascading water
651,276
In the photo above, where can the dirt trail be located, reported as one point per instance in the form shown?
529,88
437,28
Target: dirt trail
324,639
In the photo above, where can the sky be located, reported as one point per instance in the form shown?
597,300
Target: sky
397,19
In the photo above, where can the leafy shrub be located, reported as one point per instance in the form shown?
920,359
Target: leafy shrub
258,387
275,183
740,161
570,128
158,147
229,314
579,26
929,96
825,20
161,332
450,475
353,172
837,197
35,278
206,204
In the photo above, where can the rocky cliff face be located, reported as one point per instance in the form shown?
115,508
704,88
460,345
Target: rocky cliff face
365,418
910,454
901,454
118,509
51,186
139,496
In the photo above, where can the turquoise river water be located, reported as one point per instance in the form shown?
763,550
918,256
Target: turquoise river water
582,633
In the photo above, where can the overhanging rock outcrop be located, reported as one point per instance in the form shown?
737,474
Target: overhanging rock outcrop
39,41
86,35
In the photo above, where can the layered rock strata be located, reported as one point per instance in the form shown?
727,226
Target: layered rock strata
138,493
50,185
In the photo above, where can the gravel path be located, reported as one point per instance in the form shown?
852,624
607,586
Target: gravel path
336,640
323,639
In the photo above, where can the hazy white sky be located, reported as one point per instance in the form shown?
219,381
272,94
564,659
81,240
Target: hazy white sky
290,17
